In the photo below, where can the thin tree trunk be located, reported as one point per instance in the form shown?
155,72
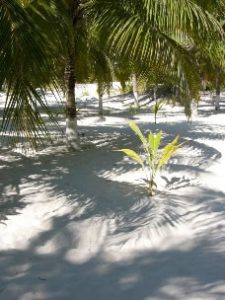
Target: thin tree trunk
217,100
155,93
71,112
194,109
204,85
100,99
156,102
100,106
70,80
135,89
177,94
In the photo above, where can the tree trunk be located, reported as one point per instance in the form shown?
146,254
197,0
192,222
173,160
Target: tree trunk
194,109
204,85
135,89
217,99
72,135
100,106
155,93
156,104
100,99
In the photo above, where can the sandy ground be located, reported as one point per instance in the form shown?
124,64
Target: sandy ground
80,226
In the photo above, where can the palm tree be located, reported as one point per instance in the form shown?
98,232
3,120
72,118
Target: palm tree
85,61
45,38
210,55
149,31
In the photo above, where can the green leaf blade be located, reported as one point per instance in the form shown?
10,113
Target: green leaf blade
138,132
168,151
133,155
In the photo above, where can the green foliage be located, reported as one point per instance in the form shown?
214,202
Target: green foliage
157,107
133,109
153,35
26,63
151,38
132,154
128,88
154,158
85,93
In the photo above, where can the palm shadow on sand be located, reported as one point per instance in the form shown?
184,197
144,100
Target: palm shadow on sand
169,274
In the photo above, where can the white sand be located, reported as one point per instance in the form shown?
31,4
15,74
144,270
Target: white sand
79,225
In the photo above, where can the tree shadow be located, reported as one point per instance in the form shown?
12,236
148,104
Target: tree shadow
11,200
50,170
189,269
74,258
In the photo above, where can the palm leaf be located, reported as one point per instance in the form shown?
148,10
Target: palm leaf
138,132
26,62
132,154
154,141
168,151
153,30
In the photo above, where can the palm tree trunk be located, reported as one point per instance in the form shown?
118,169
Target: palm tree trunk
204,85
100,106
135,89
70,81
194,109
100,99
72,135
156,102
217,100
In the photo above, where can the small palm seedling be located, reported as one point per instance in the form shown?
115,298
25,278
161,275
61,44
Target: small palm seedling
154,158
85,93
133,109
156,108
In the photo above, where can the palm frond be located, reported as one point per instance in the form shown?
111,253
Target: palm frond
25,64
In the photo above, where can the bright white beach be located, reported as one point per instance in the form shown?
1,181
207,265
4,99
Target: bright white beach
80,226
